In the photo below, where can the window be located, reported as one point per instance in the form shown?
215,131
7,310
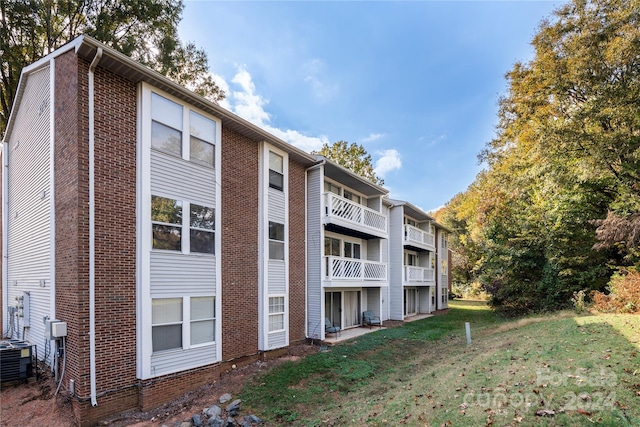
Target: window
171,130
410,221
202,320
350,196
166,323
166,223
276,240
445,241
166,125
331,246
411,259
167,319
276,314
202,221
276,171
351,250
330,188
202,139
445,267
433,260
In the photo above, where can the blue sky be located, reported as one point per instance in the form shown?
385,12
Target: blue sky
416,83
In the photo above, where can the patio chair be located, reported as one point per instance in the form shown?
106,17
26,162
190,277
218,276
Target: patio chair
330,328
369,319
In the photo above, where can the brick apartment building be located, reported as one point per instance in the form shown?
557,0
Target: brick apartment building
173,238
164,230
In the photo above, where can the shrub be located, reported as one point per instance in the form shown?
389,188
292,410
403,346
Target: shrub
473,290
579,304
624,293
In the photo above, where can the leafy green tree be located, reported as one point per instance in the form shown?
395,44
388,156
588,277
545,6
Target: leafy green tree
145,30
353,157
566,153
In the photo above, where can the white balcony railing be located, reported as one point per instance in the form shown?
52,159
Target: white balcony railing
337,268
418,236
346,210
418,274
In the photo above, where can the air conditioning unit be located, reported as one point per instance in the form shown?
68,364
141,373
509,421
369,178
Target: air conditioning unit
16,360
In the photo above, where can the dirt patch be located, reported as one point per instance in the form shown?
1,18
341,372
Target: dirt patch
520,323
34,403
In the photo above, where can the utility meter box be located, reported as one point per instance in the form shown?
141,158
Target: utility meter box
55,329
59,329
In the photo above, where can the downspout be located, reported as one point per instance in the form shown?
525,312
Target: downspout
5,226
92,231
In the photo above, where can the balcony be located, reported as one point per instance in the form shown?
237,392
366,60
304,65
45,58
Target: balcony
355,270
345,213
415,274
416,237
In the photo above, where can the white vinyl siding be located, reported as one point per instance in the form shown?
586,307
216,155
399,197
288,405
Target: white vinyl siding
396,268
182,179
194,272
29,216
165,362
373,300
274,278
277,277
424,299
315,252
276,206
191,274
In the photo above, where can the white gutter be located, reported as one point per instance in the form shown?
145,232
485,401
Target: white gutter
92,232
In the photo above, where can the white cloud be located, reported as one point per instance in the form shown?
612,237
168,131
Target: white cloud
249,105
372,137
222,84
293,137
389,161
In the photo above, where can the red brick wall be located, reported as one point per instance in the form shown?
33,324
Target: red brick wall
72,217
115,238
115,173
115,249
239,245
297,290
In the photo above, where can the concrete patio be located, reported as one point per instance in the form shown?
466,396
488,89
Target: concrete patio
350,333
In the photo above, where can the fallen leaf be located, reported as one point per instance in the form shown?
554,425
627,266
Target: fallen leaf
545,412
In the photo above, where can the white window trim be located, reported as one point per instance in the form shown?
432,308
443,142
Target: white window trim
144,239
180,225
215,321
347,239
187,222
283,313
263,251
284,241
186,323
181,323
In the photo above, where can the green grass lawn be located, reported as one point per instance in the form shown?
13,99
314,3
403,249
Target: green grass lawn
558,370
